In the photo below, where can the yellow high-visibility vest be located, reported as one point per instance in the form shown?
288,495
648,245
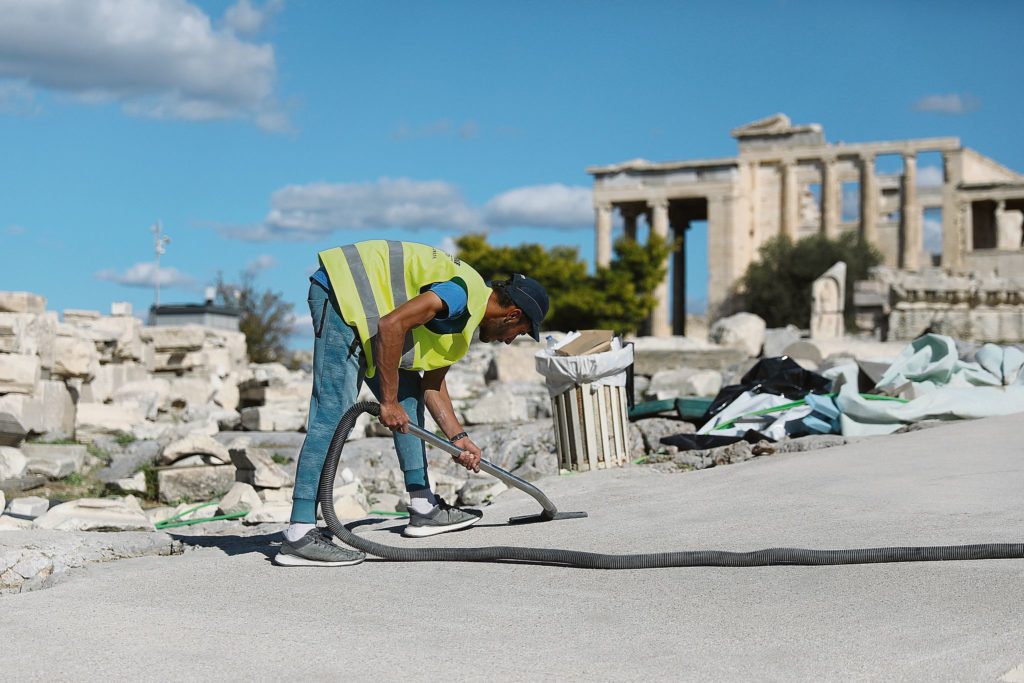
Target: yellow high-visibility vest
370,279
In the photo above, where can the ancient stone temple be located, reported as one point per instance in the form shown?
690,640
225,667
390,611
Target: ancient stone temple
788,180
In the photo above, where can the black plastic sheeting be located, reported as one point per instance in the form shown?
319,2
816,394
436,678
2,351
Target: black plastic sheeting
698,442
779,375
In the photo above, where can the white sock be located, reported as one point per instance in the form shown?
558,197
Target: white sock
297,531
422,501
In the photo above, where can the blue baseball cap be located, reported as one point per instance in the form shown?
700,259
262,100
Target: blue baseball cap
530,296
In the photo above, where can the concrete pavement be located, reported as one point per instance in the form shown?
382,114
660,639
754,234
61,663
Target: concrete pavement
223,612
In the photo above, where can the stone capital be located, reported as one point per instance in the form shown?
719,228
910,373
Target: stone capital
658,203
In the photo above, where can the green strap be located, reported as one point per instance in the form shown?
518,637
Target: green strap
177,520
794,404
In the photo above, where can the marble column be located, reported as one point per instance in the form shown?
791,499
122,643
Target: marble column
679,278
603,246
911,234
953,239
790,201
868,199
830,198
629,216
661,326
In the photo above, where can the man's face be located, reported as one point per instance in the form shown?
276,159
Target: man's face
506,328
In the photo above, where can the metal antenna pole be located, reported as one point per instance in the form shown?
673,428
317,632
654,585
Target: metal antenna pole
160,242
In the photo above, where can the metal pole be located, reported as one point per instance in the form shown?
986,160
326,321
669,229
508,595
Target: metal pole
160,242
507,477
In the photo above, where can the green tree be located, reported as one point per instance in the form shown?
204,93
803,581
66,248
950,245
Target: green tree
619,297
266,318
777,287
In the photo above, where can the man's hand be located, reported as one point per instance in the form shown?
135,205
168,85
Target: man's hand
394,417
470,456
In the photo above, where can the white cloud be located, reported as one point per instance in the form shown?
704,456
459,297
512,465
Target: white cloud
145,274
953,104
544,206
300,325
260,263
157,58
14,230
310,212
448,245
245,18
929,176
434,129
315,211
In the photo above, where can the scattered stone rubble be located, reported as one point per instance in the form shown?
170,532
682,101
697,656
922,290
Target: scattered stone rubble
174,425
669,459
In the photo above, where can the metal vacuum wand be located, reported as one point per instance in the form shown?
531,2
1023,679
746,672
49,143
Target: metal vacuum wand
550,511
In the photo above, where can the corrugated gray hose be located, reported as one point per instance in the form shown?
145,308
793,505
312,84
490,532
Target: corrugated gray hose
577,558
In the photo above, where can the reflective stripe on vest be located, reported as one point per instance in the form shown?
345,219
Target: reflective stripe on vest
396,261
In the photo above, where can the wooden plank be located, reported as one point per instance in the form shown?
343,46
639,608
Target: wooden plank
589,424
574,424
624,419
613,411
613,426
606,453
557,428
612,401
563,406
621,423
563,429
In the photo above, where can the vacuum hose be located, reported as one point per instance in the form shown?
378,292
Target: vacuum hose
588,560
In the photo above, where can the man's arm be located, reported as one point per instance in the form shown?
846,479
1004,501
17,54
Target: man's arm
387,352
439,403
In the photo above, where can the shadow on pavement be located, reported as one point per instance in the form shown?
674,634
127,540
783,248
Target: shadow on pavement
264,544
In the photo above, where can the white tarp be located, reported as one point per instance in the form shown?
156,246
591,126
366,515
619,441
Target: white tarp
564,372
742,409
943,386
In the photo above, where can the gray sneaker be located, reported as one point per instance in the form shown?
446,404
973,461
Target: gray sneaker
443,518
315,550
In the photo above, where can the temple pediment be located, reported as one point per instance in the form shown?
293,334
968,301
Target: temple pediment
774,124
777,129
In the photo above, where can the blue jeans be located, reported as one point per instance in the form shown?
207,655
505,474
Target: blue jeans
338,372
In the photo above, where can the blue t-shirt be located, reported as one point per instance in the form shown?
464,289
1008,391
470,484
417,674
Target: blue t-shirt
452,294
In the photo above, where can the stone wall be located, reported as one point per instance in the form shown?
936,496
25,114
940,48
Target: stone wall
902,306
93,374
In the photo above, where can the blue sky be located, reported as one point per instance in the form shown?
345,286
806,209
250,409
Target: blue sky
261,132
